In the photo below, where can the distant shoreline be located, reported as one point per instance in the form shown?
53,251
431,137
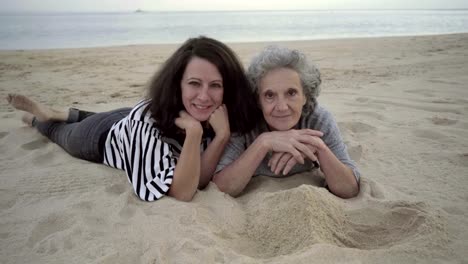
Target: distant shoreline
238,42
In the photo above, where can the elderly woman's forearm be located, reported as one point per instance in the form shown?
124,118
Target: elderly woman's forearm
339,177
210,159
233,178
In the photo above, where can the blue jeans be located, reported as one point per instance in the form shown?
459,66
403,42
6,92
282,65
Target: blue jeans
84,134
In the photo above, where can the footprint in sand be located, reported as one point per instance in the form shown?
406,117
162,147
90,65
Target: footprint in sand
386,224
357,127
429,134
36,144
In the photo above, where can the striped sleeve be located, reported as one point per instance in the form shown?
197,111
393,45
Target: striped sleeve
152,162
135,145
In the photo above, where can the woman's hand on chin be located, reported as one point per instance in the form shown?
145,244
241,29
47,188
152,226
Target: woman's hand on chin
219,121
188,123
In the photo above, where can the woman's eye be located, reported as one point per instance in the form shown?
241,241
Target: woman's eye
196,84
292,92
269,95
216,85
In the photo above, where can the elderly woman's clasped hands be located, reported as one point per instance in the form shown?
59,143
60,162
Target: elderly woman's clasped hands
292,147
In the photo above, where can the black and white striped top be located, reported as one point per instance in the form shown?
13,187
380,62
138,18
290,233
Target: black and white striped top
135,145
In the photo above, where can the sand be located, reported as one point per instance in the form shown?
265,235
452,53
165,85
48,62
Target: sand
401,104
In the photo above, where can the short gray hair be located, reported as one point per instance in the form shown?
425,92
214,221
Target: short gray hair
273,57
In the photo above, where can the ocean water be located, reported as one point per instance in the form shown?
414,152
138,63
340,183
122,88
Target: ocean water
70,30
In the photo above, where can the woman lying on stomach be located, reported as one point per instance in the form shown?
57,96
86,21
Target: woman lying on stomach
159,141
295,134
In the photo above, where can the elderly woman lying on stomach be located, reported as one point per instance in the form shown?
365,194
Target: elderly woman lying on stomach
295,134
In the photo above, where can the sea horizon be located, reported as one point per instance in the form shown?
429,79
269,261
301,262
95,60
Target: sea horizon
52,30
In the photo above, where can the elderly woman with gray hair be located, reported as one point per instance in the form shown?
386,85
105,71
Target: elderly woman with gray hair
295,134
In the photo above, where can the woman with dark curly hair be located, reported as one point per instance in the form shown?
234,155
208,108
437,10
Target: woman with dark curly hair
296,134
158,142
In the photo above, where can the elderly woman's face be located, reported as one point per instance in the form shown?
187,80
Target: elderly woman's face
281,98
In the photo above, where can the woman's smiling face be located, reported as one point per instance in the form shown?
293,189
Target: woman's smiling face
202,88
281,98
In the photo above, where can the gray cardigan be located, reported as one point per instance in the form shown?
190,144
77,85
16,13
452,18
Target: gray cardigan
320,119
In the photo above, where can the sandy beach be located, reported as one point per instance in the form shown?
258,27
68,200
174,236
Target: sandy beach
402,107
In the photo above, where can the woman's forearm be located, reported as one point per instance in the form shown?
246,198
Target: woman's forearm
210,158
339,177
187,171
234,177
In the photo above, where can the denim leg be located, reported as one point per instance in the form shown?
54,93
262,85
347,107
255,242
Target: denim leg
77,115
82,139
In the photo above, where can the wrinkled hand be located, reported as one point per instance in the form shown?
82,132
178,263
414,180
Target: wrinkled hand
187,122
219,121
294,142
283,162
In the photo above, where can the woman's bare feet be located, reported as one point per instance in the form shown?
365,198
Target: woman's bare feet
27,118
41,112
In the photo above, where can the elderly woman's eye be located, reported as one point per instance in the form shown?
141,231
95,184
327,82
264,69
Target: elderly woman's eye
292,92
269,95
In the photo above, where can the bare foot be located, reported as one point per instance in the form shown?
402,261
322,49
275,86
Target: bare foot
27,119
41,112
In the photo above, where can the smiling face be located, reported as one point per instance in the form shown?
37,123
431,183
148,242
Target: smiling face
202,88
281,98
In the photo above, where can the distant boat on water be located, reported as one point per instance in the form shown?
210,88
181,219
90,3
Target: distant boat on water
139,11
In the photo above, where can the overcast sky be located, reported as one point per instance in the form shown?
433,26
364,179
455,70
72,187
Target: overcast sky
187,5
